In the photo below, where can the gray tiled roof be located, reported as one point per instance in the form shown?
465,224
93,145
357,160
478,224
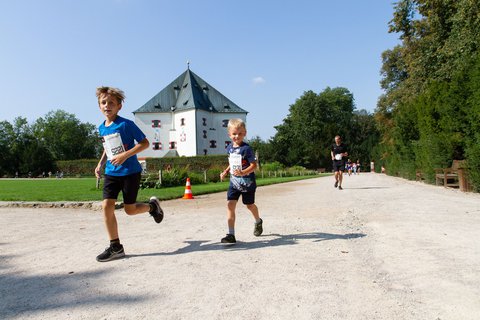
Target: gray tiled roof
186,92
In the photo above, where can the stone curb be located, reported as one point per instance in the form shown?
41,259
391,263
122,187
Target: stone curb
92,205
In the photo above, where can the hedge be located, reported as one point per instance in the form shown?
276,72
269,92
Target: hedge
197,163
82,167
86,167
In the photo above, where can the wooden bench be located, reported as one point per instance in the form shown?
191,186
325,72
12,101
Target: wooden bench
449,176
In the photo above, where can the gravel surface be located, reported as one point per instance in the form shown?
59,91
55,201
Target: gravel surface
382,248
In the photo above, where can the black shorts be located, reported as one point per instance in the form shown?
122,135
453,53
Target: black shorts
129,186
247,197
338,165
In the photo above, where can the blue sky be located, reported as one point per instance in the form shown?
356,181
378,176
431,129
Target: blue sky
261,54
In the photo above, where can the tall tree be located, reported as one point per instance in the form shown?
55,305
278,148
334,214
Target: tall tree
423,116
66,137
307,132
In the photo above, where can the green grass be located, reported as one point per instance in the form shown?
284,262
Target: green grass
83,189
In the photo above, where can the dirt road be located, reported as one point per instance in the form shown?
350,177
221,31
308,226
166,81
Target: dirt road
383,248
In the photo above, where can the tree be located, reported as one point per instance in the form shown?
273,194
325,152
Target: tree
66,137
7,159
25,153
305,136
264,149
424,116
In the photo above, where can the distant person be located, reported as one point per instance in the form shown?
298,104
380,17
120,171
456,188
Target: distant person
354,168
339,154
122,171
349,167
358,167
242,164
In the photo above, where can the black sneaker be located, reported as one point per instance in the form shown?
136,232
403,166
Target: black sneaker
258,230
340,188
157,213
336,184
230,238
111,254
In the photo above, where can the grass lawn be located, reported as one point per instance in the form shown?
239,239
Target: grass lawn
83,189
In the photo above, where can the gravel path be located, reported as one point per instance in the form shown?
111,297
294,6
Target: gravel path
383,248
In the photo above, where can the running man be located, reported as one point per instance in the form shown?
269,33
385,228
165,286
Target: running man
339,154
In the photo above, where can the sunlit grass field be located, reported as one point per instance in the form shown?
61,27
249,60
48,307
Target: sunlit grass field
84,189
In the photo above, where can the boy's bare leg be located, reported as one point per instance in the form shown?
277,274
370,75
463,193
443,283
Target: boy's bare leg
254,210
108,206
136,208
231,205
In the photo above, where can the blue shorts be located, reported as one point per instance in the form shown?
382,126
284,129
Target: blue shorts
247,197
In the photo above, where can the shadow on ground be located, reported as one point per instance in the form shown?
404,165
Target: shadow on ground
23,295
366,188
278,240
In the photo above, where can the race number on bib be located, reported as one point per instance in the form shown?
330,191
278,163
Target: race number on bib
235,161
113,145
338,156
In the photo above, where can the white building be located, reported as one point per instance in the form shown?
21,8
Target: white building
187,118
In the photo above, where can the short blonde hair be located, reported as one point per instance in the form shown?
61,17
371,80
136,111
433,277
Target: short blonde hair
236,124
114,92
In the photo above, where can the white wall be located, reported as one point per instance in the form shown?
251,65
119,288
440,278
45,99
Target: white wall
185,135
220,134
144,122
189,138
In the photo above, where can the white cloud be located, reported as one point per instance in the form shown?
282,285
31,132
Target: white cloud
258,80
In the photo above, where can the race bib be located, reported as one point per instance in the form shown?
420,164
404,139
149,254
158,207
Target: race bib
235,162
338,156
113,145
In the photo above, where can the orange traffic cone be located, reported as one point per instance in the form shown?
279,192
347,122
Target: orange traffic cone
188,190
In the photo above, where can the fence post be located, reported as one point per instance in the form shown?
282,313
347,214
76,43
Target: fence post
262,174
205,176
160,176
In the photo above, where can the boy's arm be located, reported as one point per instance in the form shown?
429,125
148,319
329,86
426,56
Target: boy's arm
122,157
100,164
247,171
224,173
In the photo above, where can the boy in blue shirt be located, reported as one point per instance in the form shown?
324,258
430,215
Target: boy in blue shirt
122,171
242,164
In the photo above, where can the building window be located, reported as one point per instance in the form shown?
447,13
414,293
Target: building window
205,134
213,144
226,144
173,145
204,121
205,152
156,124
225,123
157,145
182,121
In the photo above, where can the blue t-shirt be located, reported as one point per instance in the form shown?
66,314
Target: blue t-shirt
242,156
129,132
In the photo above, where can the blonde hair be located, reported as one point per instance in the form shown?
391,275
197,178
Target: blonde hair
236,124
114,92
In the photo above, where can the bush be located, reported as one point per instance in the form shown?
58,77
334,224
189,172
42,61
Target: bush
272,166
198,163
213,175
174,177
